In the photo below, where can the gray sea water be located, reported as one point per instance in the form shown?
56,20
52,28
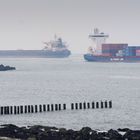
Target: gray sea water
43,81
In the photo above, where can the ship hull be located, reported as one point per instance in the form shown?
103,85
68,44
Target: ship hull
35,53
96,58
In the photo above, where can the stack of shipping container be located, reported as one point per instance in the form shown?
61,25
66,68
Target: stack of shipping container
113,49
132,51
120,50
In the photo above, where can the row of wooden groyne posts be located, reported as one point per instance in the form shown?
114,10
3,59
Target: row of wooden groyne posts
24,109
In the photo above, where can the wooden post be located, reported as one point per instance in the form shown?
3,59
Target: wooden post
76,106
102,105
21,109
106,104
44,108
5,110
84,105
40,108
97,104
110,104
11,109
52,107
15,110
25,109
48,107
72,106
36,109
59,106
32,109
8,110
64,106
80,105
88,105
29,109
56,107
1,110
93,105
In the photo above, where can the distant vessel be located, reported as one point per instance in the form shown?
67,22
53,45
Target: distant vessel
53,49
103,52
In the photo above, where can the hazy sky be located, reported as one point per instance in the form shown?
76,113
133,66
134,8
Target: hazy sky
25,24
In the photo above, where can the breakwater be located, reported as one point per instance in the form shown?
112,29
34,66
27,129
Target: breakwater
24,109
38,132
5,68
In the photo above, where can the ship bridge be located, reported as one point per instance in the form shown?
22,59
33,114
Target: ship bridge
98,39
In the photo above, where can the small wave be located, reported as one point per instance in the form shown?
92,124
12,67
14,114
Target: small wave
125,77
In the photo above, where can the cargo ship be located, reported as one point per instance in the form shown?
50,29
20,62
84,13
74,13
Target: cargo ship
53,49
110,52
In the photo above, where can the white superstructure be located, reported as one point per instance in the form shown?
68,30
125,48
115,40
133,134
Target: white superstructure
55,45
98,39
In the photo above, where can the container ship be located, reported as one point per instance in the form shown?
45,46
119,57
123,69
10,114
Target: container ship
53,49
110,52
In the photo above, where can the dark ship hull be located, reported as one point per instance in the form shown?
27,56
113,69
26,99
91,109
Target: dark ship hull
35,53
96,58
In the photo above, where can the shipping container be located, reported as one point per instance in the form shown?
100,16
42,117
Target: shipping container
138,52
110,52
137,47
130,51
113,49
114,46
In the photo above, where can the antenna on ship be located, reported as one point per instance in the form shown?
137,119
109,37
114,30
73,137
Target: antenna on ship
98,39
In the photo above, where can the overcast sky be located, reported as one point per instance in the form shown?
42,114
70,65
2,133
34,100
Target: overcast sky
25,24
